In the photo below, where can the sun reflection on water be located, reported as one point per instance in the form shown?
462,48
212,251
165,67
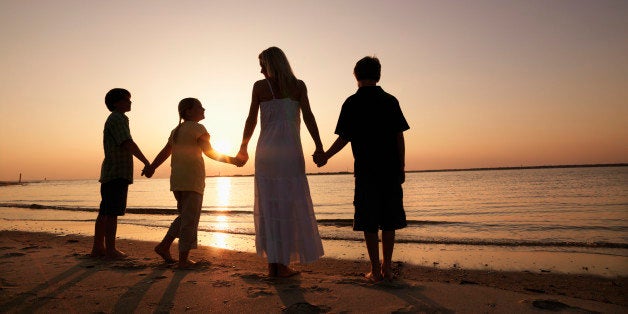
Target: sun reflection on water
223,191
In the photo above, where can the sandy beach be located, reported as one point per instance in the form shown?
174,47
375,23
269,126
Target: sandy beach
43,272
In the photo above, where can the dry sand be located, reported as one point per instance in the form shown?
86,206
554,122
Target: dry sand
41,272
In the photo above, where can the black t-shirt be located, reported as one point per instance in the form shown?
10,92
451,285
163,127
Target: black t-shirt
371,119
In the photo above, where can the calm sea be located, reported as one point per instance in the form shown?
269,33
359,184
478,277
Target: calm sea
556,207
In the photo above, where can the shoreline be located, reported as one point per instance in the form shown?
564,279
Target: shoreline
607,262
44,272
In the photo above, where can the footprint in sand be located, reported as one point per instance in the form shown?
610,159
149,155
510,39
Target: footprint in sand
12,254
304,307
257,292
221,283
318,289
129,265
551,305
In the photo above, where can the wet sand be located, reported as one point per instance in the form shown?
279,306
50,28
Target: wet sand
43,272
605,262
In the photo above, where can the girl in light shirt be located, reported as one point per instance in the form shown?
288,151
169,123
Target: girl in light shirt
187,142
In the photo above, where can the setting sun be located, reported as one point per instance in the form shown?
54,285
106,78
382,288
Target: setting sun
222,146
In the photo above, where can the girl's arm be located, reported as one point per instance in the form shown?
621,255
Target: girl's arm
203,142
162,156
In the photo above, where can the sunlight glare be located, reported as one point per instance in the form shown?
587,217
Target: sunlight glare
219,239
223,188
223,147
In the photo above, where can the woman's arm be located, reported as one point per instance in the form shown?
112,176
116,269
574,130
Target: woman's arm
308,117
249,125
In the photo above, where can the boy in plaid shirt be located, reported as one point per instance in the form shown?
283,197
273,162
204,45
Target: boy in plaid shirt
116,173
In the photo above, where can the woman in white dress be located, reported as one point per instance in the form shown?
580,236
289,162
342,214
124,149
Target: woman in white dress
285,226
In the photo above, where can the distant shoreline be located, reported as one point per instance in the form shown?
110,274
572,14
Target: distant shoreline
459,169
470,169
526,167
6,183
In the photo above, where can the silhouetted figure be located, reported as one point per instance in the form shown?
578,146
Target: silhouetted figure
372,121
116,173
285,226
187,143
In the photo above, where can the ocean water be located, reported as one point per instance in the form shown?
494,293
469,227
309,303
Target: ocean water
549,209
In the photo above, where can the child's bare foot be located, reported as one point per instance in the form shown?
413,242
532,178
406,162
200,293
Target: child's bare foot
187,264
116,254
165,254
284,271
374,277
387,274
97,253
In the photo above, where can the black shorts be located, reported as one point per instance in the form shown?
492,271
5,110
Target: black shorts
113,194
378,205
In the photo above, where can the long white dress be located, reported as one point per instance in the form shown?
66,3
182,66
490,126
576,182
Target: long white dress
285,226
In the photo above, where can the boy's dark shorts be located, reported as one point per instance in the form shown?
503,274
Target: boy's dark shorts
378,205
113,194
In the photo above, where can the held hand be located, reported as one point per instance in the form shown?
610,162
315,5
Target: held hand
242,157
148,171
237,161
320,158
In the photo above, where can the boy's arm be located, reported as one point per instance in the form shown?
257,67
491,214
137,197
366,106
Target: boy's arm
401,147
337,146
135,150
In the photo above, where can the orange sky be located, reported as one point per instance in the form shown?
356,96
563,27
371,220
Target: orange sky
481,83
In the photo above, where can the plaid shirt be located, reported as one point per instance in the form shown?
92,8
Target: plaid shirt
118,163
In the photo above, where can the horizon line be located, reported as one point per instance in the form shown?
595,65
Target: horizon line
623,164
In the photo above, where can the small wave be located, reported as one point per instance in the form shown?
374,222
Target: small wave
516,243
129,210
349,222
449,241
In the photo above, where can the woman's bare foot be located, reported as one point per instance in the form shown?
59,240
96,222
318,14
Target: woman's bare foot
284,271
165,254
116,254
272,269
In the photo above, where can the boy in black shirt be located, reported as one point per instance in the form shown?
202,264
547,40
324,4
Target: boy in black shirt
372,121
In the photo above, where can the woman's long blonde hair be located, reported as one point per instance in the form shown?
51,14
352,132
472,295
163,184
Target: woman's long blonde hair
278,70
184,105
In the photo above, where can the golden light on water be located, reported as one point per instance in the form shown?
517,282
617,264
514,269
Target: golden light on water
218,238
222,223
223,190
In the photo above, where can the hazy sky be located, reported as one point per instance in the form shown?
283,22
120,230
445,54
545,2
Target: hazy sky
481,83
